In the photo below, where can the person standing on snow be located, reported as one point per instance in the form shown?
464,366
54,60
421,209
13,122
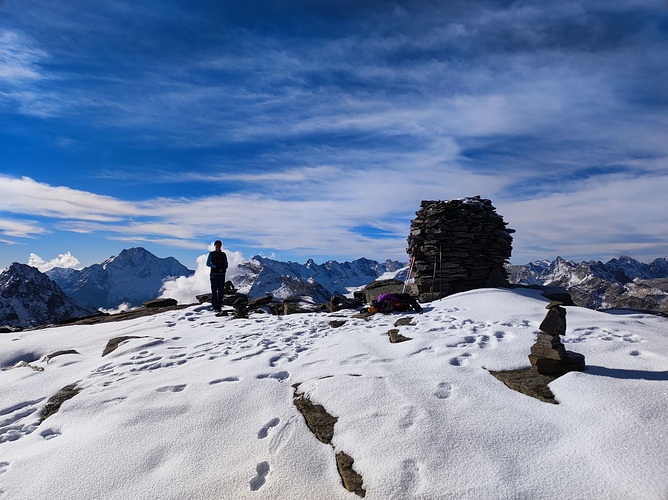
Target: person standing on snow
217,261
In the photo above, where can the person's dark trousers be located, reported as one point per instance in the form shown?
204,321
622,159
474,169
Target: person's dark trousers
217,285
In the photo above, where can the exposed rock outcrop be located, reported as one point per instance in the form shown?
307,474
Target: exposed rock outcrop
321,424
55,402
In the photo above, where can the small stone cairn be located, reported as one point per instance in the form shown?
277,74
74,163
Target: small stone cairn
456,246
548,355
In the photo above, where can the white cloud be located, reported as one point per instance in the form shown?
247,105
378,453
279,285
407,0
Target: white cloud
185,289
596,219
18,58
124,307
66,260
26,196
20,228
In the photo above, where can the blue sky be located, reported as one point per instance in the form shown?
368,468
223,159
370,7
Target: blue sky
312,129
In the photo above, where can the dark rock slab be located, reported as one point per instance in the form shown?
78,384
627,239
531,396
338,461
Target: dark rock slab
260,301
113,344
54,403
165,302
555,319
296,305
405,321
320,423
396,337
10,329
338,303
49,357
528,382
352,480
376,288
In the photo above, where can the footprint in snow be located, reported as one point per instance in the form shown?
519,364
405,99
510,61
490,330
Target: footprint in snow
226,379
264,432
49,434
172,388
280,376
443,390
460,360
258,481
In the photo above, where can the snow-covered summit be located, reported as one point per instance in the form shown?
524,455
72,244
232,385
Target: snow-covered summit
132,277
195,406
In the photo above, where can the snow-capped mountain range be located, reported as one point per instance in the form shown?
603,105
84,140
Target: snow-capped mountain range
618,283
29,298
136,275
132,277
261,276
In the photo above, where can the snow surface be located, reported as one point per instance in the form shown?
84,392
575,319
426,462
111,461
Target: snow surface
202,407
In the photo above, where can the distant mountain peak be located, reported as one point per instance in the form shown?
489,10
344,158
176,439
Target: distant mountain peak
29,298
133,276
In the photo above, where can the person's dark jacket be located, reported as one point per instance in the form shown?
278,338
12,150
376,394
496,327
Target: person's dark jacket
217,261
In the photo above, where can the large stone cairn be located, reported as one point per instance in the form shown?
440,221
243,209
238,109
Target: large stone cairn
458,245
548,355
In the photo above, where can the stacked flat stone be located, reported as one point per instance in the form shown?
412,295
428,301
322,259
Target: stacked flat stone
458,245
548,355
240,308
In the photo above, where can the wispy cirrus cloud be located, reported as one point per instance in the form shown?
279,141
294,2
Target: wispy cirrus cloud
19,58
20,228
26,196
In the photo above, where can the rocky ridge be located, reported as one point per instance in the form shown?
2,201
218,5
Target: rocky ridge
621,283
261,276
29,298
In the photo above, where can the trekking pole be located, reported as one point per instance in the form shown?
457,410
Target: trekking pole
408,274
440,271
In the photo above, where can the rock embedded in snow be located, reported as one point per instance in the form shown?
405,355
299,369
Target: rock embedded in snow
396,337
